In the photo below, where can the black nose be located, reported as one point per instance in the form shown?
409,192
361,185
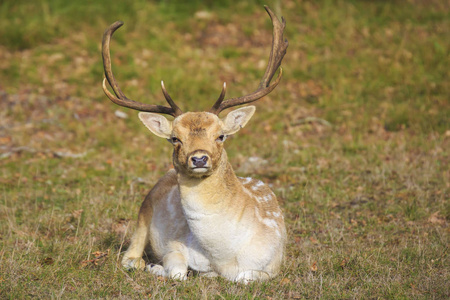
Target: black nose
199,162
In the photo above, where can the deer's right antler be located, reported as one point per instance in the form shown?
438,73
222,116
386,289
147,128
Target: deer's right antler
279,46
120,98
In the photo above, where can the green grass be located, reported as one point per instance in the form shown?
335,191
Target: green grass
366,199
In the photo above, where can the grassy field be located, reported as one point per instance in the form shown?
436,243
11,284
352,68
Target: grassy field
355,142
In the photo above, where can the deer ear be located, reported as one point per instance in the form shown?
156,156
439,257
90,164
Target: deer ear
157,124
237,119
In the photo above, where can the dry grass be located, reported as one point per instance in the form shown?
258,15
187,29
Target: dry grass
365,199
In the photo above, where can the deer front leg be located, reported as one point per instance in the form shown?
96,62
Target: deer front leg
133,257
175,266
251,275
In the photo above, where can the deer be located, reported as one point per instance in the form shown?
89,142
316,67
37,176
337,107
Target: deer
200,215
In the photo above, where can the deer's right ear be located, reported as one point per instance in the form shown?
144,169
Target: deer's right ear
157,124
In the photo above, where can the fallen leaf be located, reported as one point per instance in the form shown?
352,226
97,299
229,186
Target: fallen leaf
97,260
84,263
313,267
77,213
120,227
5,139
47,261
284,281
436,219
99,254
344,263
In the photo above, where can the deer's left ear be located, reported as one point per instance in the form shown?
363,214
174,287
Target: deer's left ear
237,119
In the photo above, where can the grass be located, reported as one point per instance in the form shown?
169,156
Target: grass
365,198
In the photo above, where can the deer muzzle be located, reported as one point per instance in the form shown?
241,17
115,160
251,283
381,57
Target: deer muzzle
199,161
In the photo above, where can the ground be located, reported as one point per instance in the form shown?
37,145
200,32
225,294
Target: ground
354,142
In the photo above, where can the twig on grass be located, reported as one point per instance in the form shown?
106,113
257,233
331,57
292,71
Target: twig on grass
135,285
311,120
121,244
58,154
136,181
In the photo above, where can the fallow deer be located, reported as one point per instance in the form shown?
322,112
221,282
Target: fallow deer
200,215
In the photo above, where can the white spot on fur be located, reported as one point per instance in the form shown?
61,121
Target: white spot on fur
270,223
247,179
266,221
257,185
265,198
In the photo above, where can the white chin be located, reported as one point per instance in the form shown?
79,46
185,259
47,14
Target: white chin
200,170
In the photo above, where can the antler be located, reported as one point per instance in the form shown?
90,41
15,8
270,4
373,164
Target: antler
277,53
120,98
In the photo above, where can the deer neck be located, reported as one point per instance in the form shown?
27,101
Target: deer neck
209,194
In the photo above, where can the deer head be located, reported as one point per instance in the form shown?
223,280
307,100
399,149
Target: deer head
198,137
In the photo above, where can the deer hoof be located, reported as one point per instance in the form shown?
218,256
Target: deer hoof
133,263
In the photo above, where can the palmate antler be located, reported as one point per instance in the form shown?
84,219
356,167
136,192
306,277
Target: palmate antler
277,53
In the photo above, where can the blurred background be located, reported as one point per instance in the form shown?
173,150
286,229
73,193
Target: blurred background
354,140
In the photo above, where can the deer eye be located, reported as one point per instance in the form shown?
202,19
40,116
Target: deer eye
175,140
221,138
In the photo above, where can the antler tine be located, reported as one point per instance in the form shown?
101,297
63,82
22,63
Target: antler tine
277,53
169,100
120,98
219,101
279,47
